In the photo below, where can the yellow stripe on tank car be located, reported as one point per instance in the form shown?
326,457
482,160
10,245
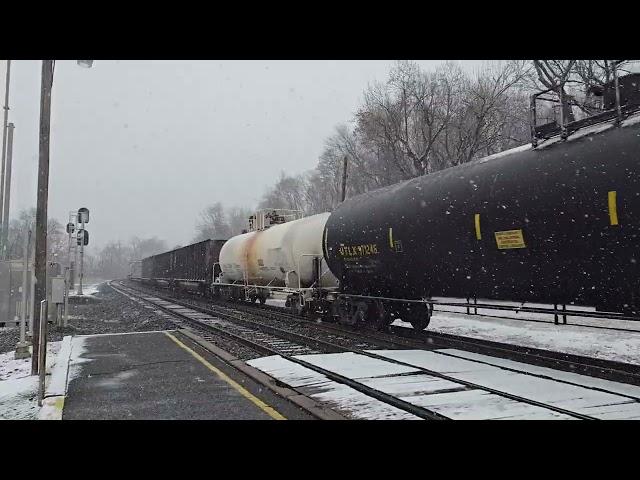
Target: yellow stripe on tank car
613,208
391,237
477,222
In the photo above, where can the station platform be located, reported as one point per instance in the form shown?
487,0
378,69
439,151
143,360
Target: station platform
162,375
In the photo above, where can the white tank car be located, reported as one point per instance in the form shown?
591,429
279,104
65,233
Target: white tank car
279,256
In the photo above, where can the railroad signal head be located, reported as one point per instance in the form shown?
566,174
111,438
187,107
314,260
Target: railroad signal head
70,227
83,237
83,215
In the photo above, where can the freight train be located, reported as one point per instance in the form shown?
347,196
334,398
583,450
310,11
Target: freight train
554,221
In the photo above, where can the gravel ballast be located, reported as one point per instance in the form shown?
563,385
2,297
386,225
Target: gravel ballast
111,313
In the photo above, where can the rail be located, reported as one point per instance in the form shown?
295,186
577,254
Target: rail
389,399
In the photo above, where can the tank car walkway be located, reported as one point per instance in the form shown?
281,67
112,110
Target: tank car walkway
161,375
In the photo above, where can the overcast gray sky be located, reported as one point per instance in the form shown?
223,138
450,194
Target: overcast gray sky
146,145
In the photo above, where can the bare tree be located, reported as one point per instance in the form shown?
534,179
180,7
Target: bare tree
492,114
554,75
288,192
56,236
213,224
238,218
145,247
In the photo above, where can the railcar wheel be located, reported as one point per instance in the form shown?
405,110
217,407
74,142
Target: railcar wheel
359,316
418,315
263,300
379,316
343,311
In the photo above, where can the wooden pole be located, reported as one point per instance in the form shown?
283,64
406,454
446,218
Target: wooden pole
344,180
41,212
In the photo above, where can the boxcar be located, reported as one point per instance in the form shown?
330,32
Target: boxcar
190,267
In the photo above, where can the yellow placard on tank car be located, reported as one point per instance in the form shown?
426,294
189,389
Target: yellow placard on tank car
510,239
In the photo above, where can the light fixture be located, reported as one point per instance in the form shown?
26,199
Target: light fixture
85,63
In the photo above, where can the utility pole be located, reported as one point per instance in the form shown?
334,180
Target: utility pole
4,138
41,212
7,194
344,180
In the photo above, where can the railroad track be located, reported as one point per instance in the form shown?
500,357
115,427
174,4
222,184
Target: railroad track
403,337
243,325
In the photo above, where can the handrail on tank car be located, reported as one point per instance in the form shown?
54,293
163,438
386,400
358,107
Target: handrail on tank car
564,131
257,219
272,288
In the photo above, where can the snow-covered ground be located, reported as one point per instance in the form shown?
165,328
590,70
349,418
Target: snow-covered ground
18,388
575,339
90,289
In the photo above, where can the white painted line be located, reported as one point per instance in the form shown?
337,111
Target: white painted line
126,333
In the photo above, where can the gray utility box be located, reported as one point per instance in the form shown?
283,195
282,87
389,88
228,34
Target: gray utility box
11,291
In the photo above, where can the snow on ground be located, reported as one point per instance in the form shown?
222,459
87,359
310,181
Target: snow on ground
575,339
18,388
545,317
78,349
90,289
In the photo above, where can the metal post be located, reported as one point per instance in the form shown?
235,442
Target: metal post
67,275
22,349
32,297
75,250
81,258
4,137
7,193
564,315
615,78
533,120
72,264
42,348
555,313
344,180
41,211
563,128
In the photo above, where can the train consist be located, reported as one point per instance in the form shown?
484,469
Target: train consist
191,268
554,221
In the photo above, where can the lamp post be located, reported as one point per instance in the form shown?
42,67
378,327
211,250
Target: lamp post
40,269
7,193
4,139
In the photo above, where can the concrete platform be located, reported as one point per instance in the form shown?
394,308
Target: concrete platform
162,375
